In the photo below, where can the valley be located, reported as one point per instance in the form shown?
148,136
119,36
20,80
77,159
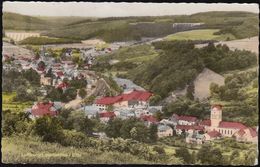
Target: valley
147,89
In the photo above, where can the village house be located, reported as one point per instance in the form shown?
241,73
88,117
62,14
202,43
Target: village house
135,99
164,131
247,135
154,109
195,138
40,109
183,119
149,119
212,135
166,122
63,86
124,113
106,116
45,80
90,111
188,129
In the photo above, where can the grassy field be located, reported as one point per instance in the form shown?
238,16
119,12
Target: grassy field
8,103
30,150
204,34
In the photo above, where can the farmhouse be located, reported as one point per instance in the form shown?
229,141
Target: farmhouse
106,116
164,130
135,99
40,109
184,119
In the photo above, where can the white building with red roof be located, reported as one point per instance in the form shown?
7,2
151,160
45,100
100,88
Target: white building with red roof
149,119
106,116
135,99
228,129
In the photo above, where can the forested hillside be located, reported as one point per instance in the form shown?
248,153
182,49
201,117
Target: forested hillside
179,63
237,24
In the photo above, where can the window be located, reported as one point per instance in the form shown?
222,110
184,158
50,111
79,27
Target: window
225,132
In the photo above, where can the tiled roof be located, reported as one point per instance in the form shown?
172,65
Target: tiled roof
187,118
108,100
234,125
41,109
134,95
63,85
241,132
252,132
214,133
188,127
206,122
149,118
107,114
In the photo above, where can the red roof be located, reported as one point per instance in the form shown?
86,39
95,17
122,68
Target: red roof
186,118
252,132
63,85
107,114
149,118
59,73
108,100
134,95
234,125
206,122
218,106
41,109
214,133
188,127
241,132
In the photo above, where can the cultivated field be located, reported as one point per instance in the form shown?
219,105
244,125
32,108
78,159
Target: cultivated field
9,104
204,34
250,44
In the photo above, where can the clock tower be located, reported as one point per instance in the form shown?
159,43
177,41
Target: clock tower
216,115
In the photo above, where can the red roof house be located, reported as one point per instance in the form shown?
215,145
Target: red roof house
187,118
41,109
134,95
107,114
149,118
63,85
59,73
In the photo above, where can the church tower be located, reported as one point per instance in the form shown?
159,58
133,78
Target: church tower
216,115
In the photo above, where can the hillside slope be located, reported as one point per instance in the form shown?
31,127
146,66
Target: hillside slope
237,24
203,81
13,21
